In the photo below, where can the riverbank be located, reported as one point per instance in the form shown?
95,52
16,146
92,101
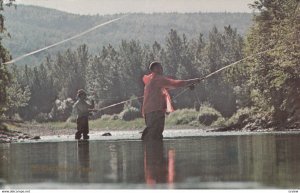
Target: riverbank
17,130
14,131
9,135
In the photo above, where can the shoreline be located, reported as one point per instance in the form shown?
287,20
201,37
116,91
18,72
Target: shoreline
29,132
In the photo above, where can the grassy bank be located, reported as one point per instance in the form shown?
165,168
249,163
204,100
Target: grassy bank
99,124
207,118
95,125
129,119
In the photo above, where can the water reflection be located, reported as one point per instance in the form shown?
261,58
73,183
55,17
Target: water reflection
83,160
4,151
157,168
268,160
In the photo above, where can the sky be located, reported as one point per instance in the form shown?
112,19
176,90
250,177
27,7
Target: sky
91,7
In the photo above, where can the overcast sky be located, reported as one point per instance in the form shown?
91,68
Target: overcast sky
147,6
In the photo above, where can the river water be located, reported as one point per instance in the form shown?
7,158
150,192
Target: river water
217,161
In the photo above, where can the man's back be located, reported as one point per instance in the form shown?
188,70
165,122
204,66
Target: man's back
154,99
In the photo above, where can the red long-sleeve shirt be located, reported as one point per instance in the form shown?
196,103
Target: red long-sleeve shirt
156,97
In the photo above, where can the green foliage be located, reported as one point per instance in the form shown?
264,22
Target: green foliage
34,27
41,86
114,72
223,48
61,110
42,118
4,80
208,115
129,114
240,116
106,117
4,57
117,124
274,75
268,82
220,122
114,75
17,97
182,117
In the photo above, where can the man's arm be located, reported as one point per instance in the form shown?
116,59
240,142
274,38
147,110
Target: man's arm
171,83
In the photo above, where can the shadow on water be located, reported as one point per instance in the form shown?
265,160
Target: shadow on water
254,161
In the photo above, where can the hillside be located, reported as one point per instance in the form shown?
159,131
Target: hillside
33,27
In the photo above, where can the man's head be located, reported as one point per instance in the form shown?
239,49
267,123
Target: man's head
156,67
81,94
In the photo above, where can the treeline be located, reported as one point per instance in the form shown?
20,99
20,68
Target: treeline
263,90
115,74
271,82
33,27
4,56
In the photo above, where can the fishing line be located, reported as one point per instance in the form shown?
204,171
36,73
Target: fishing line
119,103
63,41
223,68
137,98
246,58
200,79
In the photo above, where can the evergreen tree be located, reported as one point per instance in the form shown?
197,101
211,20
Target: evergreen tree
132,68
274,76
4,57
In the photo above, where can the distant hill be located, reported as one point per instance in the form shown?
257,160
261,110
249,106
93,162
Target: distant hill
34,27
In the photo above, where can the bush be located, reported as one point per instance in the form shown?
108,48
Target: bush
133,103
3,127
114,117
62,110
183,116
240,116
208,115
42,118
71,119
130,113
106,117
220,122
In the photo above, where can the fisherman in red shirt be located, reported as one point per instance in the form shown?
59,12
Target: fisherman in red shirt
157,100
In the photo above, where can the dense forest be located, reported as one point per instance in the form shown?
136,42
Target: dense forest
35,27
263,89
115,74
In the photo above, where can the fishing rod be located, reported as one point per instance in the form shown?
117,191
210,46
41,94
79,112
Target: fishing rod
119,103
188,86
137,98
222,69
244,59
64,41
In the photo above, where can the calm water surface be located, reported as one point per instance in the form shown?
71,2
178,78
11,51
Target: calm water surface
252,161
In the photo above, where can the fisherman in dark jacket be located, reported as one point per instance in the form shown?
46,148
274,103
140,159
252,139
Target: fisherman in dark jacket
82,108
